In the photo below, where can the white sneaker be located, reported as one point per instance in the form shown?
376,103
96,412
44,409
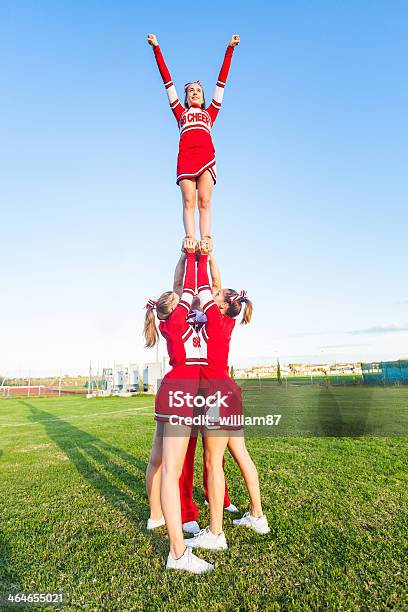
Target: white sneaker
191,527
260,525
231,508
153,524
189,563
206,539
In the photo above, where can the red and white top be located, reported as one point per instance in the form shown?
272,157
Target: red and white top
184,345
196,149
216,332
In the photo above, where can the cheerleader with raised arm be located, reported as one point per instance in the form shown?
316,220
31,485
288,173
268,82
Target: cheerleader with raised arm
171,440
189,509
221,311
196,165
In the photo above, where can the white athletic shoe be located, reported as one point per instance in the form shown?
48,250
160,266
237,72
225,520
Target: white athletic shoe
191,527
206,539
260,525
153,524
231,508
189,563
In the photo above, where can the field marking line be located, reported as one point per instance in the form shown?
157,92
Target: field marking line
76,416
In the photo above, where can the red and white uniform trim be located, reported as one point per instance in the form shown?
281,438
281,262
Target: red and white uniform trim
196,149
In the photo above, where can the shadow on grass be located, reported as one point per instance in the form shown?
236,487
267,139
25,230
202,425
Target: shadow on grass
9,579
346,420
105,468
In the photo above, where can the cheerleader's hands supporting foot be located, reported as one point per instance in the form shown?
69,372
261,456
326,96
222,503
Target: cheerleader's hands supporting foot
208,239
235,40
189,245
203,247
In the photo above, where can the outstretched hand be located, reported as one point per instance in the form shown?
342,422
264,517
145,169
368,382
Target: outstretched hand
152,40
235,40
189,245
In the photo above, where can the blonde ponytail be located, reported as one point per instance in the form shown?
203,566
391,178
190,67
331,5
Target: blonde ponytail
247,315
164,307
150,330
235,301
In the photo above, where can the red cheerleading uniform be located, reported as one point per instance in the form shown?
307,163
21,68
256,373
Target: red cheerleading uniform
186,351
217,331
216,334
196,149
187,355
189,509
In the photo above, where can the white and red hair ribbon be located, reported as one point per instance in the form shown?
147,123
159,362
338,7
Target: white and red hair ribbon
239,297
187,85
191,317
151,304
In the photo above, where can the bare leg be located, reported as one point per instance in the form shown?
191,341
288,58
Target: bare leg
216,443
188,193
205,186
153,474
227,501
174,451
238,449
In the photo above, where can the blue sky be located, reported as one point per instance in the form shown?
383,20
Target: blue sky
310,208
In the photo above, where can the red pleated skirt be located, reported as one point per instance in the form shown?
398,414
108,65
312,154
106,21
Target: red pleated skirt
196,156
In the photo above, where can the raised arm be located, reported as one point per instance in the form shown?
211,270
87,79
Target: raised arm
204,291
175,104
183,308
215,105
179,274
215,274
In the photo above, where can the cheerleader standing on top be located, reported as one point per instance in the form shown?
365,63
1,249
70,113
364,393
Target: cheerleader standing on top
196,165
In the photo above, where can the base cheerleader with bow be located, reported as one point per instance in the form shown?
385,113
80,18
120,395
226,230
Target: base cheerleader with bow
171,440
221,310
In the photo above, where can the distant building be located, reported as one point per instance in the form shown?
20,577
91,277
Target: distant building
135,378
152,376
122,378
345,369
300,369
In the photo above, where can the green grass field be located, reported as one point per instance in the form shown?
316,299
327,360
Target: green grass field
73,513
327,410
